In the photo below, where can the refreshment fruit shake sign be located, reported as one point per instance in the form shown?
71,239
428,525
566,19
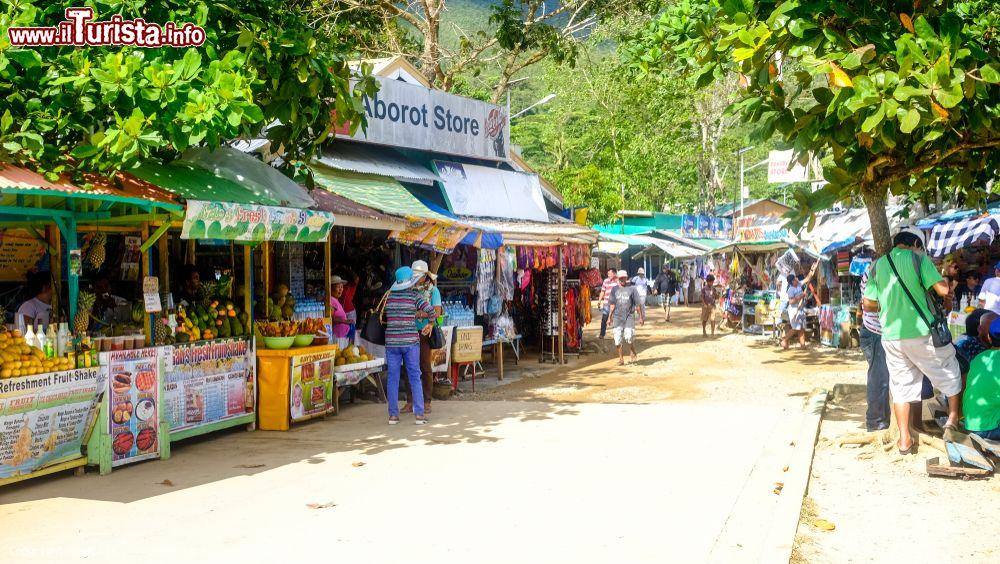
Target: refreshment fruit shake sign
401,114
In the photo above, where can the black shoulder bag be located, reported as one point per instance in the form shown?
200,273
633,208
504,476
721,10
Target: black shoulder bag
940,334
374,328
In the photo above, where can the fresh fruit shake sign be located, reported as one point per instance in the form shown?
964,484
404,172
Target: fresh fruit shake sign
401,114
312,384
44,418
133,404
207,383
248,222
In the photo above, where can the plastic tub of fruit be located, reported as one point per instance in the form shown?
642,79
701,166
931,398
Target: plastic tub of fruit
304,340
278,343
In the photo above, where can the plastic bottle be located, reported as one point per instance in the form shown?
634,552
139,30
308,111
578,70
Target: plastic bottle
29,335
51,340
41,339
63,340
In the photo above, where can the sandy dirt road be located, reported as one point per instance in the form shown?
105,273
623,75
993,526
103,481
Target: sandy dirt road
671,458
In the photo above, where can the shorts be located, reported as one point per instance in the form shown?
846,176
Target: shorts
909,360
796,318
707,313
626,333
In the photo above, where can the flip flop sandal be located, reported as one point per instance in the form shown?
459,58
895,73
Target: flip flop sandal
407,409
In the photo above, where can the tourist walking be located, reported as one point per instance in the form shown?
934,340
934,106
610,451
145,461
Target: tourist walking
877,415
709,300
797,308
402,341
641,284
897,290
625,306
609,283
665,286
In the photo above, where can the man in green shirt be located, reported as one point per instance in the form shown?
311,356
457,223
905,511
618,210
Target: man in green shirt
981,400
909,350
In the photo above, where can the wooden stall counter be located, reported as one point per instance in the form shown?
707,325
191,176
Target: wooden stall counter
295,384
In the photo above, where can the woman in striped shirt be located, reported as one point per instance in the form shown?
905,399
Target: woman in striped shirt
402,340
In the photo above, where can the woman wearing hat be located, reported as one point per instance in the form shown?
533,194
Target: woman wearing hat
341,324
426,285
402,340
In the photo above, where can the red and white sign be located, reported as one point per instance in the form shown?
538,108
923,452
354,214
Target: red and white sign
778,171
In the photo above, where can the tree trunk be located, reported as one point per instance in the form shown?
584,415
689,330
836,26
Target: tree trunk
430,58
875,200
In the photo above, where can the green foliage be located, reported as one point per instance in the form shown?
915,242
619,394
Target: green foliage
893,97
107,108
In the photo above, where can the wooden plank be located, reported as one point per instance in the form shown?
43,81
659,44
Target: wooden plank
986,444
935,468
966,449
212,427
75,463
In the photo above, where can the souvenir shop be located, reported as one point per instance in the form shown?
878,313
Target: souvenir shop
838,284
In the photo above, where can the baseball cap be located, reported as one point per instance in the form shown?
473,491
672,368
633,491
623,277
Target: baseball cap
995,332
622,274
420,268
916,231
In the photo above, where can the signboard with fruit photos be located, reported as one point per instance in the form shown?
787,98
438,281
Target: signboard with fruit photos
44,418
133,405
208,382
312,384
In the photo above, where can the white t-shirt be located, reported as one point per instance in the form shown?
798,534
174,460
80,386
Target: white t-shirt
641,284
33,309
991,294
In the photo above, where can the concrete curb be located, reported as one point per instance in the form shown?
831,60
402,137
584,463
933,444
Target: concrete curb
762,525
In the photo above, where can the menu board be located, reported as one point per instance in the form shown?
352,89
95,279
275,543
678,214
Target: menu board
133,409
208,382
44,418
312,384
468,344
20,251
441,358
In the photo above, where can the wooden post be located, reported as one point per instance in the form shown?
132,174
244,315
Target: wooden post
55,267
265,252
327,271
163,269
147,265
248,281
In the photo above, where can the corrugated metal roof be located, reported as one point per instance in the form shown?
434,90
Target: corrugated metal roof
532,233
380,192
352,214
368,159
122,187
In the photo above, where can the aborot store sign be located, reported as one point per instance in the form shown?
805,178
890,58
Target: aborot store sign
407,115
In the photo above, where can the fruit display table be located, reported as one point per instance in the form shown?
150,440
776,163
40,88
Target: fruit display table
295,384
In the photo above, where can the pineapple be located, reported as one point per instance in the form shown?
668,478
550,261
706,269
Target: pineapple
97,252
83,308
161,331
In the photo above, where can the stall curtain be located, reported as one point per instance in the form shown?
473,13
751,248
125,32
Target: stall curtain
949,237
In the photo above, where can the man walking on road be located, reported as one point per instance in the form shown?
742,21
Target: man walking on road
709,298
609,284
897,290
665,286
625,305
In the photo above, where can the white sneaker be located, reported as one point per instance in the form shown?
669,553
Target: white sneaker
394,420
420,421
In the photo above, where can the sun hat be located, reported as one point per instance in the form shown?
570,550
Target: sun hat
641,270
915,231
337,280
421,269
622,274
404,279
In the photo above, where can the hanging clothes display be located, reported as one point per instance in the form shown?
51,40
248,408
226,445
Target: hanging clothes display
571,322
486,282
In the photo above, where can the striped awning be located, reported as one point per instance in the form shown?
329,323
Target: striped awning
949,237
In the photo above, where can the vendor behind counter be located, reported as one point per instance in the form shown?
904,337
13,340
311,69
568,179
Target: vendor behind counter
37,310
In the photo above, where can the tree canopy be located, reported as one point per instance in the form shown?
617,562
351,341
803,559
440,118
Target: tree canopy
894,96
64,109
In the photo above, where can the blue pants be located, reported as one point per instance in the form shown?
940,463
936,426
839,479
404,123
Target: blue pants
993,435
394,357
877,416
604,323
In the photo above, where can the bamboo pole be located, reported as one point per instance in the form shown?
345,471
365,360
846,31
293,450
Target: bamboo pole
327,271
55,266
265,275
146,261
248,281
562,304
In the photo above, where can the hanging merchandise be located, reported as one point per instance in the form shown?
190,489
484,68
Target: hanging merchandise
505,281
551,311
572,338
585,309
590,278
860,265
843,262
787,263
486,286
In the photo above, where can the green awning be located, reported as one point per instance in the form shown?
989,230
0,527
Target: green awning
380,192
195,183
710,243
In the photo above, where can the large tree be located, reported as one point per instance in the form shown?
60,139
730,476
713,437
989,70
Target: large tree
65,109
897,97
516,35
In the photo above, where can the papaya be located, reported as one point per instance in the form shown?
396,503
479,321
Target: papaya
183,338
225,330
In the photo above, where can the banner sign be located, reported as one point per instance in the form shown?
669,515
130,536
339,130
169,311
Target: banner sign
20,251
689,225
207,383
312,384
431,235
250,222
777,168
441,358
763,233
44,417
706,225
133,408
401,114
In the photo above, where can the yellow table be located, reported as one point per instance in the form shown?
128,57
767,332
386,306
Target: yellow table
295,384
